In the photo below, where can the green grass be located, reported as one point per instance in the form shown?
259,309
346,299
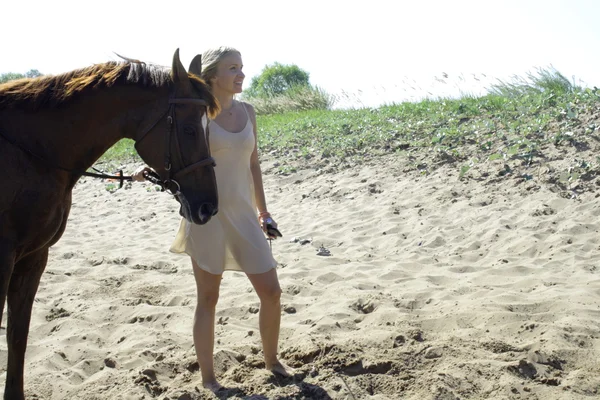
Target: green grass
121,153
444,125
299,98
542,81
519,122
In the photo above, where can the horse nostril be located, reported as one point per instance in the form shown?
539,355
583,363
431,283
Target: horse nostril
207,209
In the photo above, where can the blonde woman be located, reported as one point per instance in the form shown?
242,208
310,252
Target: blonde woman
233,239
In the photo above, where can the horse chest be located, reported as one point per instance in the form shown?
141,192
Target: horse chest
40,217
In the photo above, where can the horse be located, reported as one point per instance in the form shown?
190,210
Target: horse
53,128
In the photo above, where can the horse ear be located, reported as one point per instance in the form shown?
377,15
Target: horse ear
196,65
180,76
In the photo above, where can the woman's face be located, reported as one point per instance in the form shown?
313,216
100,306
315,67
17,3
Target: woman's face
229,77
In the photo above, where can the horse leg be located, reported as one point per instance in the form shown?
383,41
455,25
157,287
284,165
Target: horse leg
21,293
7,263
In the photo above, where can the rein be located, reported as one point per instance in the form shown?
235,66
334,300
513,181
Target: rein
169,185
102,175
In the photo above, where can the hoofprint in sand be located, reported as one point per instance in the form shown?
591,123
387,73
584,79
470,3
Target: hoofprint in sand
396,284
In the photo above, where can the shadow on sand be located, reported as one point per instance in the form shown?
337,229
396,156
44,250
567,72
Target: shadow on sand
306,390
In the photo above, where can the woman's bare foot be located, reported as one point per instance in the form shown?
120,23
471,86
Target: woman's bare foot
213,386
280,369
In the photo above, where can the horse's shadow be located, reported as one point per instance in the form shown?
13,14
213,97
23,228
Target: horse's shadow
307,390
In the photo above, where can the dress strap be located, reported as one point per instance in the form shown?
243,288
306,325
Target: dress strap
245,109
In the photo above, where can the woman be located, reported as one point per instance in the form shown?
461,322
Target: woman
233,239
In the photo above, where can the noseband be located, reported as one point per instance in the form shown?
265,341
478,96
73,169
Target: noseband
170,185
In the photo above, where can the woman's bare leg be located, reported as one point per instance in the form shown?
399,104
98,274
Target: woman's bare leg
207,286
269,319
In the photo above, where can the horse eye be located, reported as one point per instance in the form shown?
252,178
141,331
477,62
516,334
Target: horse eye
189,130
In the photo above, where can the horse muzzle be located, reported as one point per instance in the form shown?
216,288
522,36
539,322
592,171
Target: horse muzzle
203,214
206,212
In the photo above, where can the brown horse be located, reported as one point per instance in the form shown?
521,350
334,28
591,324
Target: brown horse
52,129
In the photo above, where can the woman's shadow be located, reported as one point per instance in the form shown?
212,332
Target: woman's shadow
307,390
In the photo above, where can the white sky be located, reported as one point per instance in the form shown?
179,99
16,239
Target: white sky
368,52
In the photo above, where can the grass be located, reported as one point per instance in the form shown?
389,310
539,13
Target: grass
122,152
517,123
299,98
543,80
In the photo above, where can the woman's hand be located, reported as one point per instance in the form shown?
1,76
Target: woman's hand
138,174
265,219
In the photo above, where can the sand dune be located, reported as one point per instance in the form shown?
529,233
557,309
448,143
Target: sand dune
396,285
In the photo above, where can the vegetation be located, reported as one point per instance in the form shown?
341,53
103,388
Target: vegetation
276,79
515,129
10,76
544,80
297,98
499,126
283,88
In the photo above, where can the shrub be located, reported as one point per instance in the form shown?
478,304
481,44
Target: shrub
297,98
276,79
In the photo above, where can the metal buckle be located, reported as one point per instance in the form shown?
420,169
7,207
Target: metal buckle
169,189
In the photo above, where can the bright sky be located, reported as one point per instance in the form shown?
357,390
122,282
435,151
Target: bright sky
365,52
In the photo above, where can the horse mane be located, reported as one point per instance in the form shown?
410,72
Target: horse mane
51,91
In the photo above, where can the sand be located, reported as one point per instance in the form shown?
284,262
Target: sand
397,284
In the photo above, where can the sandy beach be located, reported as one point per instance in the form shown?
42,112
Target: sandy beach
397,284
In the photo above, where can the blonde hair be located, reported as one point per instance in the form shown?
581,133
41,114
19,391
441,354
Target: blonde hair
211,59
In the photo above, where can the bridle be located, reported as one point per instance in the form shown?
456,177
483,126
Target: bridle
170,184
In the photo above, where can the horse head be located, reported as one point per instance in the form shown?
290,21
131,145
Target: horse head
176,145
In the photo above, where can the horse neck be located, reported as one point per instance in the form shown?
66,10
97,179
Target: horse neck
74,135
